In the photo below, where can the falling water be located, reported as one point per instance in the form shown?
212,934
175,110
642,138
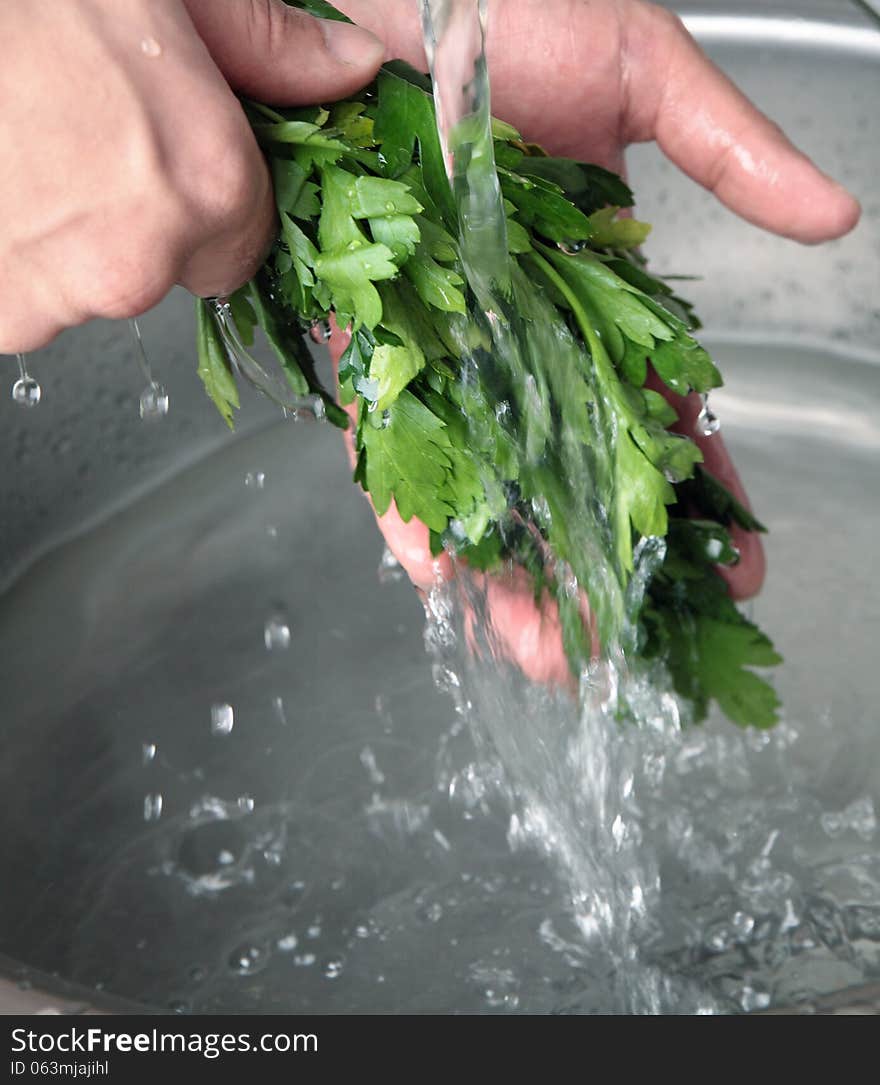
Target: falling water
569,771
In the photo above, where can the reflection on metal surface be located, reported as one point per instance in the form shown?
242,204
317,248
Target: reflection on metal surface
808,33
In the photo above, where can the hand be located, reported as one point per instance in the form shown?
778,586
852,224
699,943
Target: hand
585,78
128,163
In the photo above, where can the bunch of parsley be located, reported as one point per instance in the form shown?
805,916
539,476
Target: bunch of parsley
466,437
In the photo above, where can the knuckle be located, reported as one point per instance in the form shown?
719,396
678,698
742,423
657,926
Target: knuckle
669,22
223,181
235,182
267,27
126,285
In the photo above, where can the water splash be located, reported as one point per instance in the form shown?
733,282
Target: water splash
222,719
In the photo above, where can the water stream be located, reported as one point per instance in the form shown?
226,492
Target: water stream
569,774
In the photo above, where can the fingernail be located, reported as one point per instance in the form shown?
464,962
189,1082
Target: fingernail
352,44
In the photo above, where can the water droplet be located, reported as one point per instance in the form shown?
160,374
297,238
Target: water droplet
279,710
333,968
288,943
571,248
255,480
276,634
368,760
222,719
26,391
151,48
304,960
177,1005
152,807
154,402
708,422
320,331
148,752
272,531
245,804
247,960
390,570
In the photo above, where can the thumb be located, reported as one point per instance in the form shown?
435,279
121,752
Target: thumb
280,55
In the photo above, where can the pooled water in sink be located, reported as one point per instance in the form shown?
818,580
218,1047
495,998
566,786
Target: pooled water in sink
230,782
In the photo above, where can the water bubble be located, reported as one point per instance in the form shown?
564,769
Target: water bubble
304,960
148,752
247,960
708,422
154,402
255,480
320,331
26,391
288,943
743,924
431,913
279,710
272,531
152,807
276,634
222,719
246,804
151,48
753,998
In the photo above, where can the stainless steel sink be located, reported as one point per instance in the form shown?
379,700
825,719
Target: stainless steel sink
139,569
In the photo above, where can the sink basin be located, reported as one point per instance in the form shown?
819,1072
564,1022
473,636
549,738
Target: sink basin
234,780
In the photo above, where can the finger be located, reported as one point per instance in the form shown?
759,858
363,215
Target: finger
677,96
280,55
746,577
642,77
516,629
544,82
232,253
409,541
